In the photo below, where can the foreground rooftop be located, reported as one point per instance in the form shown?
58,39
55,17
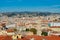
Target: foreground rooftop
5,37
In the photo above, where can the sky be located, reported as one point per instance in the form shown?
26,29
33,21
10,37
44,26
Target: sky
30,5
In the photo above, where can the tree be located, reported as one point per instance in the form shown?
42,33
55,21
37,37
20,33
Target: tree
44,33
27,29
15,29
33,30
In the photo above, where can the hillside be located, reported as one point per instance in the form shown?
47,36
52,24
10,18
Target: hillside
9,14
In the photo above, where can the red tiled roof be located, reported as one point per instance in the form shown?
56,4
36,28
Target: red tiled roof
33,36
5,38
55,27
42,37
10,30
44,21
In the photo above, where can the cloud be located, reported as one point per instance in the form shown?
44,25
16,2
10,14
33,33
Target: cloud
55,6
52,8
13,0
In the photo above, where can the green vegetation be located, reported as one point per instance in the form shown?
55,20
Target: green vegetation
44,34
33,30
27,30
15,29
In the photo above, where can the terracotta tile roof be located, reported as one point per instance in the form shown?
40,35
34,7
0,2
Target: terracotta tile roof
55,27
10,30
44,21
5,38
42,37
33,36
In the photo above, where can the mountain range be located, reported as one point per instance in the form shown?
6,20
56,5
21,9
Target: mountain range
25,13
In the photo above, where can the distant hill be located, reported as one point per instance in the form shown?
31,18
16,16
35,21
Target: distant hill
9,14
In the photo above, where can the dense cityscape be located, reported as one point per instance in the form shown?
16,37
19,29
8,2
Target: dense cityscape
29,19
30,26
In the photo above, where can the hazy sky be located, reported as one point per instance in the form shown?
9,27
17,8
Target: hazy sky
30,5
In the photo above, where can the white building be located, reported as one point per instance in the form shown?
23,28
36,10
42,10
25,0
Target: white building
54,24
